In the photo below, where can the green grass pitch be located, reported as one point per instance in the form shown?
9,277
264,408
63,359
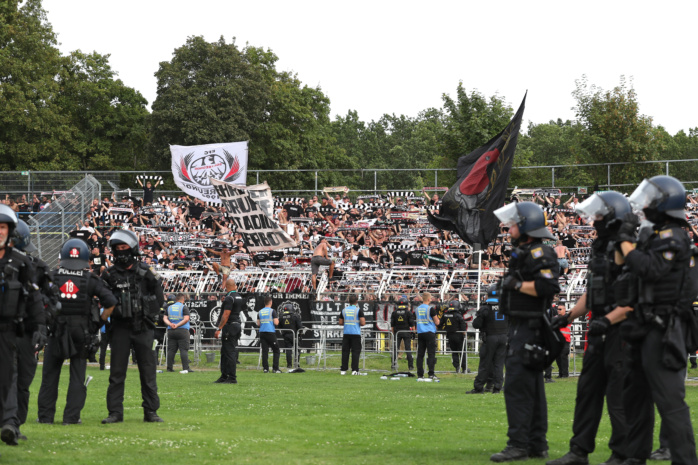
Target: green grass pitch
317,417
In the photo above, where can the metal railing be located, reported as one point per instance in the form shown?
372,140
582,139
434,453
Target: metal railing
17,183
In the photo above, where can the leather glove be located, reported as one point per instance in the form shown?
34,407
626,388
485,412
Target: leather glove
39,338
512,283
599,326
559,321
484,312
626,232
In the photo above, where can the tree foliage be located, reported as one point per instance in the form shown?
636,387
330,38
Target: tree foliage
215,92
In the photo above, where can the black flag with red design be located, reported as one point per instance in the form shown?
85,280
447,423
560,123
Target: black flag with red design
483,176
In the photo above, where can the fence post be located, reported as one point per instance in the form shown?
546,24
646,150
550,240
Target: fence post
375,182
436,178
316,181
609,176
667,168
553,182
29,187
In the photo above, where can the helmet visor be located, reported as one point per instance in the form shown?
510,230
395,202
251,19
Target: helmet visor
592,207
645,194
508,215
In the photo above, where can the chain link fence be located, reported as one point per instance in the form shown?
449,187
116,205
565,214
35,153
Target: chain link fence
52,226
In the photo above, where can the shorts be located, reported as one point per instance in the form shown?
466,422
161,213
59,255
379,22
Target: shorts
564,264
316,262
224,269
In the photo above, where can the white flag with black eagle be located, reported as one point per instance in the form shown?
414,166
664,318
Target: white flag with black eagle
194,165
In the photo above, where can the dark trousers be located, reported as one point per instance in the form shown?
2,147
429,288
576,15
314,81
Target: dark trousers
54,356
288,338
7,364
404,337
455,345
103,343
648,383
602,376
524,394
229,350
426,342
178,339
563,361
122,339
17,401
491,369
268,340
351,343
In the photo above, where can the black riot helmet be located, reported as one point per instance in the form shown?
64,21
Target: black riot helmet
8,216
612,206
454,305
660,195
492,294
75,255
128,256
288,307
528,216
22,238
171,298
403,301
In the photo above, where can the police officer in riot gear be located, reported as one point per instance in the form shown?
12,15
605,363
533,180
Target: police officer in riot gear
229,330
18,399
139,292
527,291
493,326
75,327
603,370
453,323
402,323
290,321
19,300
660,262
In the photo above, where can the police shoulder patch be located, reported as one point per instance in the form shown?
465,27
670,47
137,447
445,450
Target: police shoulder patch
537,252
692,262
668,255
665,234
547,274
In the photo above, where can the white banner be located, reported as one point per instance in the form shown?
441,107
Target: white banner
193,167
258,230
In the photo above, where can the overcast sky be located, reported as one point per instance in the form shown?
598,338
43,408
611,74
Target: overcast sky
399,57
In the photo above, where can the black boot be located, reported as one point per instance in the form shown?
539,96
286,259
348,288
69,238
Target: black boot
150,416
663,453
510,454
113,418
570,458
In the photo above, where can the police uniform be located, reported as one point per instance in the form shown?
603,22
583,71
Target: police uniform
402,320
17,402
230,336
178,339
524,392
661,263
71,335
493,326
453,323
603,371
267,337
351,338
426,338
291,323
19,299
140,296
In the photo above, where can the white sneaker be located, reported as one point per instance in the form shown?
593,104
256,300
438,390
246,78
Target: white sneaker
355,373
342,372
184,372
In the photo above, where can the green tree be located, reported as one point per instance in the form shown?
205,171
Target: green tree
470,121
33,129
107,118
215,92
613,130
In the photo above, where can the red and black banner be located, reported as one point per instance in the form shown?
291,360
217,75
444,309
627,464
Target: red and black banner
483,176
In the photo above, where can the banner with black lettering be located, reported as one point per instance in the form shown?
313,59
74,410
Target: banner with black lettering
193,166
324,315
258,230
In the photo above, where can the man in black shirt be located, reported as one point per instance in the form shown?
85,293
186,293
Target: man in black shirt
229,330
